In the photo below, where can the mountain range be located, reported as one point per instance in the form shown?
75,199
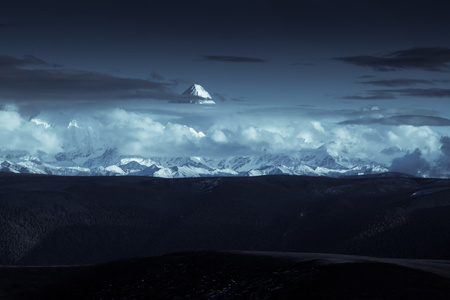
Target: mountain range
108,162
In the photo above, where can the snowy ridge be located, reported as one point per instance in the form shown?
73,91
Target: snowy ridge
111,163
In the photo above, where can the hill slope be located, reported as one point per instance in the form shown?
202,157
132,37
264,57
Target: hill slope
53,220
233,275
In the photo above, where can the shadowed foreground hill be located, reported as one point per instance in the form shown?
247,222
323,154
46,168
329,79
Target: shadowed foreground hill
233,275
50,220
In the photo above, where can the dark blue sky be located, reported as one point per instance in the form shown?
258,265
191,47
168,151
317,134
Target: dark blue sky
260,51
367,79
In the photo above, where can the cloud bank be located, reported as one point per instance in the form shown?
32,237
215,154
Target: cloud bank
390,137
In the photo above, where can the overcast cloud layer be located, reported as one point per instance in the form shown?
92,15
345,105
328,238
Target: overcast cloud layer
413,144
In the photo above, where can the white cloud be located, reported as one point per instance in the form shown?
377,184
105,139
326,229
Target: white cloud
10,120
209,132
196,134
219,137
317,126
40,122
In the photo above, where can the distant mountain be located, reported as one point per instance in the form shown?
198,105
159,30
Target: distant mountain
199,95
315,162
197,90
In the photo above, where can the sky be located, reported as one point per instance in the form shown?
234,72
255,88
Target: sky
368,79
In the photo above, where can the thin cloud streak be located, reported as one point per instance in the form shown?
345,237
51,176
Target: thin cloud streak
373,95
396,93
434,59
233,59
428,93
366,76
413,120
400,82
303,64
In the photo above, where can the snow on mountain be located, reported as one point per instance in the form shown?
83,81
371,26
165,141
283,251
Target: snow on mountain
199,95
197,90
86,152
314,162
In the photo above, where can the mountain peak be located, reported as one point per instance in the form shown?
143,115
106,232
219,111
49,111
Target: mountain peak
199,91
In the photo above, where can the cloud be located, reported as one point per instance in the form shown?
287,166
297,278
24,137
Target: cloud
373,95
224,98
302,64
401,120
428,59
391,151
139,134
412,164
229,130
443,163
156,76
30,78
21,134
441,166
400,82
27,60
335,116
221,97
157,95
427,93
395,93
445,147
234,59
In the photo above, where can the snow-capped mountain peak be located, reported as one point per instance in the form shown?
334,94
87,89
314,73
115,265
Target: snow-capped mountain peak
197,90
87,161
199,96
